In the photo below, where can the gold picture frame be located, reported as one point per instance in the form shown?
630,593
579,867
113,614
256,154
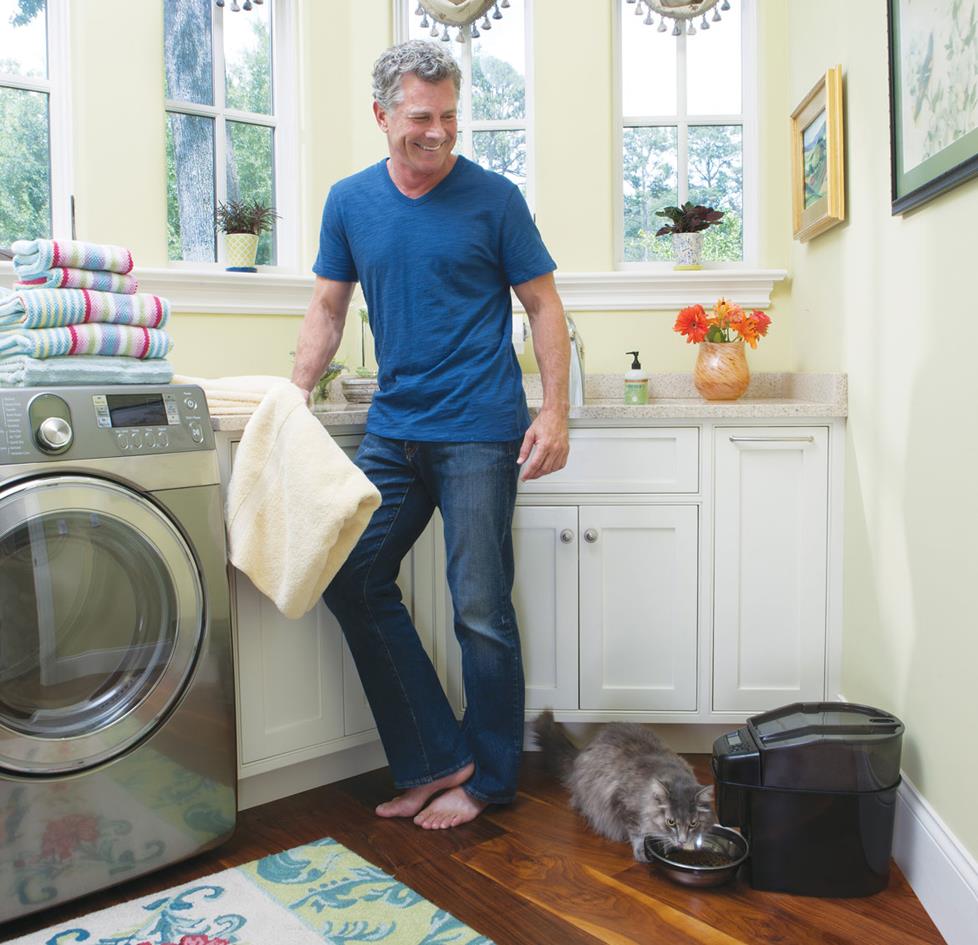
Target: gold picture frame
818,198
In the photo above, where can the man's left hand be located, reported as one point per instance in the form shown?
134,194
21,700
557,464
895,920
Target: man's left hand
547,438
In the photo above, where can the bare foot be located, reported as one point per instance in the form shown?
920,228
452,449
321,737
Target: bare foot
413,799
453,808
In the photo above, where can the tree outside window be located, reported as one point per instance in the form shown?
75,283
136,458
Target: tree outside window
682,132
221,120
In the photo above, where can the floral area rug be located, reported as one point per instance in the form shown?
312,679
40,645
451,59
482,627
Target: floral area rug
317,893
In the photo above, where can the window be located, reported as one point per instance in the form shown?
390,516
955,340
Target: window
687,133
224,124
33,192
494,107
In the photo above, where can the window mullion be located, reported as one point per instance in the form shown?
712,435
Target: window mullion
59,119
28,85
468,142
220,128
682,130
251,118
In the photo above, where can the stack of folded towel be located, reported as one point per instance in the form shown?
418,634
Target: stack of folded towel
75,317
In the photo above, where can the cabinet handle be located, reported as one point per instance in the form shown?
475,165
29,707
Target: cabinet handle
566,536
772,439
591,536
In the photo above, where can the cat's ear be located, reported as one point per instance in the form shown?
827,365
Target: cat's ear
705,795
659,791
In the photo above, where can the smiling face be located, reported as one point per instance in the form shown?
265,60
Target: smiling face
421,132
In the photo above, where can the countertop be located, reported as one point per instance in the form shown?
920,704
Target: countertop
771,396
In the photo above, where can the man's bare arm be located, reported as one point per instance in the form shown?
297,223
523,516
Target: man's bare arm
321,331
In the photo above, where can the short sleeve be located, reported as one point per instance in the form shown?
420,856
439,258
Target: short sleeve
334,260
522,252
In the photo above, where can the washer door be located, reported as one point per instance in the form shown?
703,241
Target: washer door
101,619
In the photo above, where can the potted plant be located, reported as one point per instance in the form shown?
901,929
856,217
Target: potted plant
721,371
359,388
688,223
243,222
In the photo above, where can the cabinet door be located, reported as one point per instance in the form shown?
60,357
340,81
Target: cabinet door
545,544
638,607
769,581
290,675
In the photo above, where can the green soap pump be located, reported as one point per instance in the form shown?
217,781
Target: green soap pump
636,382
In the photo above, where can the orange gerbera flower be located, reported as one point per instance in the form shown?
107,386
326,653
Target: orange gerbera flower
761,321
741,323
692,323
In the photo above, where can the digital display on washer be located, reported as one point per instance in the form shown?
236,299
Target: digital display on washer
136,410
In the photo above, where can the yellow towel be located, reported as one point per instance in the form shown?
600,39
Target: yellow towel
296,504
239,394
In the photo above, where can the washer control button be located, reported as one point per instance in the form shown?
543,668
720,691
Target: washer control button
196,433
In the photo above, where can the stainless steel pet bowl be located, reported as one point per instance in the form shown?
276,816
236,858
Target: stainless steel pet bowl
722,841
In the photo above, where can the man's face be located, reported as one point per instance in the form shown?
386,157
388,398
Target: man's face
421,130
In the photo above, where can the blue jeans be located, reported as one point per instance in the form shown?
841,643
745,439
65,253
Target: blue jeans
474,486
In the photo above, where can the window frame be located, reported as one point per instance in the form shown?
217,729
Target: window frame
282,121
747,119
403,13
56,87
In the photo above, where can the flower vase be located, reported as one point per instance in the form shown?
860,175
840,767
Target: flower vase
721,371
687,250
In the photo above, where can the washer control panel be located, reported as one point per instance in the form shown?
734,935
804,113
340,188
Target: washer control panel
101,422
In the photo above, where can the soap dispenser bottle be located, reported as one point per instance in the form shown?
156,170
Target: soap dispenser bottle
636,382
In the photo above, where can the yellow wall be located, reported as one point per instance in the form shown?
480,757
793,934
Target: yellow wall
872,297
121,189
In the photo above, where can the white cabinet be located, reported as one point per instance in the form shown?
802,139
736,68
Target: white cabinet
770,570
638,597
606,596
670,573
299,693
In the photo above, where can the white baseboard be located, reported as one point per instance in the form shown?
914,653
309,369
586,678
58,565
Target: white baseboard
942,873
284,782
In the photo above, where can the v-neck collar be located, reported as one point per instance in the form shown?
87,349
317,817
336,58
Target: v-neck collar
417,201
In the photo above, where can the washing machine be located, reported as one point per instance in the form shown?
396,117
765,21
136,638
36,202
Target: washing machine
117,731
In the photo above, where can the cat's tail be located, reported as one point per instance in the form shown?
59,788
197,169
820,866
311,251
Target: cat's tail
558,750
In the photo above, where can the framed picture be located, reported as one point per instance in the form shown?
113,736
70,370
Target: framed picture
933,97
818,192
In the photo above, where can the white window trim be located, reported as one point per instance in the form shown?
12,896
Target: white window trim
403,12
748,120
212,291
285,181
56,87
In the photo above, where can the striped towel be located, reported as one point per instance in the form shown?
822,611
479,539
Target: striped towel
32,257
124,340
52,308
96,279
21,371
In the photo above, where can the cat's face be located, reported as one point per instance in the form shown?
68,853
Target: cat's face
679,813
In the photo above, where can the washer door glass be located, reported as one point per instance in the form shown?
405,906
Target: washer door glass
101,616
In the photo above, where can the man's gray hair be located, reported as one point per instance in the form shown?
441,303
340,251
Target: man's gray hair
428,61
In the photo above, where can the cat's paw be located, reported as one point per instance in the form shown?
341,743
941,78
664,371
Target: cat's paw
638,848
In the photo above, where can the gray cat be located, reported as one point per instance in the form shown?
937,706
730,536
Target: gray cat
628,783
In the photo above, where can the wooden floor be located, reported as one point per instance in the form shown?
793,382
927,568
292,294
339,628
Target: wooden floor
532,874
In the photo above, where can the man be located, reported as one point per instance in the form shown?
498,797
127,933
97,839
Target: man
436,242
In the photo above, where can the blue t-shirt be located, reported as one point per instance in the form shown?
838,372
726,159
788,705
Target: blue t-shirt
436,272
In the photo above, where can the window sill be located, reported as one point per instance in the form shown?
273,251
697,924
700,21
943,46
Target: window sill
215,291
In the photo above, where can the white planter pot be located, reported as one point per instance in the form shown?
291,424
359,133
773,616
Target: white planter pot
687,250
359,390
241,249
